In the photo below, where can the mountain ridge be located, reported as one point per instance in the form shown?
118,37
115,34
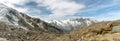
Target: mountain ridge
17,26
18,19
72,24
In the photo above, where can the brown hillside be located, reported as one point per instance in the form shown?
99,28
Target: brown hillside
102,31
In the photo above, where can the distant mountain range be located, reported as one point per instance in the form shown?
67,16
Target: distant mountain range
72,24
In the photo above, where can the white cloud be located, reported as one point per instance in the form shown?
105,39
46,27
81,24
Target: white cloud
10,3
61,8
20,2
95,8
33,12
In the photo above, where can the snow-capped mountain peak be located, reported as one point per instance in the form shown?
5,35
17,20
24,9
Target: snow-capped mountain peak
72,24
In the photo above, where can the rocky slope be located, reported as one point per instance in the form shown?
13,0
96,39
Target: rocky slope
102,31
17,26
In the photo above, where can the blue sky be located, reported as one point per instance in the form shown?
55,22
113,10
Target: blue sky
67,9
